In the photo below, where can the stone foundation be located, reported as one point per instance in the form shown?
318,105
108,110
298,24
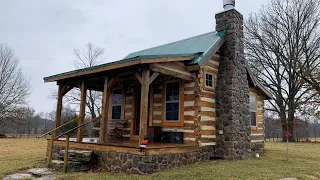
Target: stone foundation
257,147
122,162
137,164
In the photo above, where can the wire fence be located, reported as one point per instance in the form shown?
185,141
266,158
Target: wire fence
278,137
24,134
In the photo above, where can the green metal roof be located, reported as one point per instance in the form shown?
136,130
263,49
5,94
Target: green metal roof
197,44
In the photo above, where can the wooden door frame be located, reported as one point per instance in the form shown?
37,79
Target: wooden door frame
132,136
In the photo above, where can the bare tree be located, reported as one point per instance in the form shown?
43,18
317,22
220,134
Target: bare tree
22,117
67,114
88,57
14,86
278,40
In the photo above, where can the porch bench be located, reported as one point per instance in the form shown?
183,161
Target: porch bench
116,128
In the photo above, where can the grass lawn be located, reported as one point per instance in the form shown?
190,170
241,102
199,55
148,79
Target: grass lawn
17,154
304,163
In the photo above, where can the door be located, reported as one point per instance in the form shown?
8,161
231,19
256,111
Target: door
136,122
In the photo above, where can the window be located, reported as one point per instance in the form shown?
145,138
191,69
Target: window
209,80
116,103
253,110
172,101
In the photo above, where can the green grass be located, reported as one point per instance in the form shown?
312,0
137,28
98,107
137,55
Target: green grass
304,163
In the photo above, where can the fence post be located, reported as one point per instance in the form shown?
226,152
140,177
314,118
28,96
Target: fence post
66,155
277,137
50,150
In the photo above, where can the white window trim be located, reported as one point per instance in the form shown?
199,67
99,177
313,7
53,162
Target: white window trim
205,79
112,104
255,108
165,103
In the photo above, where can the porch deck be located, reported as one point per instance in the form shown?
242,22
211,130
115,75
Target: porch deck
128,146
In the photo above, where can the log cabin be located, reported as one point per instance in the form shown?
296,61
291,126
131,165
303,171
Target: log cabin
195,99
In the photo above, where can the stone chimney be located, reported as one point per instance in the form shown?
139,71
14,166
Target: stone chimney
232,98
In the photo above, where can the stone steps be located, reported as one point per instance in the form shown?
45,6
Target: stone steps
78,160
72,166
77,155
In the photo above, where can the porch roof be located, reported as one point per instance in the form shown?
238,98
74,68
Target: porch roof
144,59
193,49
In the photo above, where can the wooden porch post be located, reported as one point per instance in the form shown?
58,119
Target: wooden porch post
144,104
104,113
58,110
82,111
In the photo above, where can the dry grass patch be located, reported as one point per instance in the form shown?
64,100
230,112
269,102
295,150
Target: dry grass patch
304,163
17,154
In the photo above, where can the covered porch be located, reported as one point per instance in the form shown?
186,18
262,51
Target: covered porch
128,94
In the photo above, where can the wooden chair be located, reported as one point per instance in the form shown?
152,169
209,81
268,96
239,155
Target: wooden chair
117,131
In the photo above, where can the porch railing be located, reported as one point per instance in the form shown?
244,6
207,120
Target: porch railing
67,139
59,127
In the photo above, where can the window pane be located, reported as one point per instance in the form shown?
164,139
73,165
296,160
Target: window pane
172,106
172,111
169,115
175,96
175,86
209,80
253,119
116,112
175,115
253,104
169,87
172,101
172,91
117,96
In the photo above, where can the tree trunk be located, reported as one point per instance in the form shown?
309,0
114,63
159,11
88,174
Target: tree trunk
289,128
92,109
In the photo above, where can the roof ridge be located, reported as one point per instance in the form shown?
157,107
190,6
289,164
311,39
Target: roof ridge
174,42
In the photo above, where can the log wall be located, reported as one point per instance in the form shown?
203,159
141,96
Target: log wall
207,103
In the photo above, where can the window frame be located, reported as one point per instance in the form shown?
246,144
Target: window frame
112,105
172,123
173,101
205,79
254,110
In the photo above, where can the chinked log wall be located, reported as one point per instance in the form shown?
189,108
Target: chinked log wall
189,110
207,103
257,132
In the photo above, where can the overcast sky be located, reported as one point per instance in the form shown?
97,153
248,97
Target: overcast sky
43,34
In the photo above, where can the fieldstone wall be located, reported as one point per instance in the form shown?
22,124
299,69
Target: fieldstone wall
137,164
232,98
122,162
257,147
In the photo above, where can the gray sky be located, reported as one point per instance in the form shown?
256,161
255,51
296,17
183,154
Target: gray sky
43,34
